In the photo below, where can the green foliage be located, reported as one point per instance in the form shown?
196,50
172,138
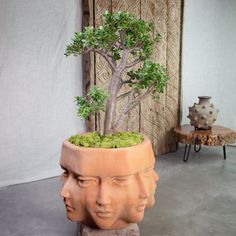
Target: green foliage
92,102
120,30
123,40
115,140
150,75
157,39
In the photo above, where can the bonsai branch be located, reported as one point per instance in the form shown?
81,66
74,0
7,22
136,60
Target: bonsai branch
133,102
123,60
124,95
126,81
106,56
122,40
133,63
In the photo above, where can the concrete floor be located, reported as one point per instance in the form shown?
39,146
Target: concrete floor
197,198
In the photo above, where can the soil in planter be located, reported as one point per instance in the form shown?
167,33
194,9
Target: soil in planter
114,140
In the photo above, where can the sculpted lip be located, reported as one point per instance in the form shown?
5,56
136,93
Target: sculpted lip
104,214
69,207
141,207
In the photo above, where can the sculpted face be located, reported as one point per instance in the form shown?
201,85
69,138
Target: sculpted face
145,186
105,189
154,178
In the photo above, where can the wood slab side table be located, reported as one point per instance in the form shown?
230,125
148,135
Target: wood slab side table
217,136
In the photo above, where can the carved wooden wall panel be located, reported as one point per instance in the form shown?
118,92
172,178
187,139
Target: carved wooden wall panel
154,118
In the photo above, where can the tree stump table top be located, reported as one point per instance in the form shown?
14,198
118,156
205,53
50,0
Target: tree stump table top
217,136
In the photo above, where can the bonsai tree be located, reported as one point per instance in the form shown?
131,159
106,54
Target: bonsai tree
124,41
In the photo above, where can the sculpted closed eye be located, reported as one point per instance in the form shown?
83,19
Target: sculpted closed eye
148,172
86,181
122,180
65,173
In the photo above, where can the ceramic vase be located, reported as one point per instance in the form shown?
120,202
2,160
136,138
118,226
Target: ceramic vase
203,114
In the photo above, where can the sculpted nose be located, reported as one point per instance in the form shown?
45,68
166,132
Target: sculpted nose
65,194
144,188
103,197
65,190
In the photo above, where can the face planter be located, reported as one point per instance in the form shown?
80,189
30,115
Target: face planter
108,188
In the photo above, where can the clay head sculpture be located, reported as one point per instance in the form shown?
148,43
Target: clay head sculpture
108,188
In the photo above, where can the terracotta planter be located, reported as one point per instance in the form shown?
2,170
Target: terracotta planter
203,114
108,188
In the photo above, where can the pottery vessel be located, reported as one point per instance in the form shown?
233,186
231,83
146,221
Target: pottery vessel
108,188
203,114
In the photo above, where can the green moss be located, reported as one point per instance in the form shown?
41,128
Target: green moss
115,140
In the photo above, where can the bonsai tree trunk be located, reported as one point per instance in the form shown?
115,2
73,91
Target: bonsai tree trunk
113,90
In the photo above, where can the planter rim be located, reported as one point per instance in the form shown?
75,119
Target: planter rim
70,145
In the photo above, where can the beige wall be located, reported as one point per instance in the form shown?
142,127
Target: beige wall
37,86
209,56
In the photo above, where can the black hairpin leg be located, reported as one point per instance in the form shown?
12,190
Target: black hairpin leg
197,149
224,152
186,152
